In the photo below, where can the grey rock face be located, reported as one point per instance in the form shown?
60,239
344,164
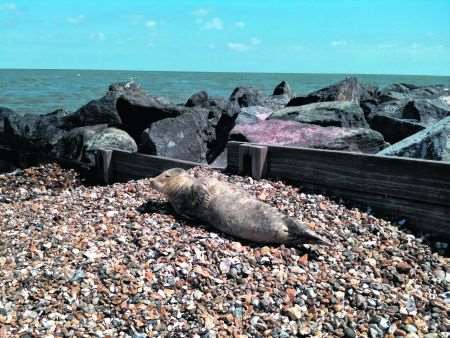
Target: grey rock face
325,114
103,110
432,143
246,97
291,133
283,88
198,135
347,90
35,132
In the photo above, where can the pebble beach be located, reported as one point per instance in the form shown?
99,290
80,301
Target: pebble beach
115,261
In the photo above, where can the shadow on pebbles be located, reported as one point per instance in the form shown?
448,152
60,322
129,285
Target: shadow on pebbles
116,262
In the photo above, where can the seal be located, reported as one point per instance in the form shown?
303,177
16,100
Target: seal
230,209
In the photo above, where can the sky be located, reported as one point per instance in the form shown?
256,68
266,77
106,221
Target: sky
292,36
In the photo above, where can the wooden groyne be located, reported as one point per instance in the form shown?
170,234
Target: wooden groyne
416,192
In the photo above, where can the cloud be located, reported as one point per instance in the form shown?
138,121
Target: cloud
150,24
75,20
9,6
100,36
339,43
214,23
240,24
255,41
237,47
200,12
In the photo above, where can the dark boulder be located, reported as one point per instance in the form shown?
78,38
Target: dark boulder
246,97
203,100
74,143
403,91
302,100
103,110
432,143
291,133
198,135
81,143
347,90
35,132
4,113
199,99
426,111
184,137
397,120
326,114
394,129
138,111
283,88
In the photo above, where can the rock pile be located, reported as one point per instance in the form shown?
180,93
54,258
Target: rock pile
199,130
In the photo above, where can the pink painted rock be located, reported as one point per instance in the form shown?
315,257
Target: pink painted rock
292,133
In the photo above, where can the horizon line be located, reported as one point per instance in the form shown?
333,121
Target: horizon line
216,72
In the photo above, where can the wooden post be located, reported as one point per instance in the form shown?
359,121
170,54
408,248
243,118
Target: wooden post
253,160
103,165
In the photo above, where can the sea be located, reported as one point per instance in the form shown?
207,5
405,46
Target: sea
43,91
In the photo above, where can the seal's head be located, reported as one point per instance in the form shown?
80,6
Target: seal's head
170,180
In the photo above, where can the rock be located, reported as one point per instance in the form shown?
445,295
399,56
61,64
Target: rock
6,167
74,143
432,143
426,111
349,332
375,331
246,97
397,120
283,88
403,267
35,133
253,114
347,90
292,133
276,102
112,139
294,313
199,99
198,135
401,91
81,143
325,114
138,110
394,129
103,110
4,113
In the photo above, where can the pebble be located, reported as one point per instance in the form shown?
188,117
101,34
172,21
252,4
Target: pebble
115,261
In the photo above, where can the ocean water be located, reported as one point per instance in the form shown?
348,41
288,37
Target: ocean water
43,91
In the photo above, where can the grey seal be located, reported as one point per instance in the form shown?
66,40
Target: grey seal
231,210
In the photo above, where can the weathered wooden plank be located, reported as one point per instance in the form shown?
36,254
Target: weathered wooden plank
233,156
429,218
103,164
421,181
126,166
253,160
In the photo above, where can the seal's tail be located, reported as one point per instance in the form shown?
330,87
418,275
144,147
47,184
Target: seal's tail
300,233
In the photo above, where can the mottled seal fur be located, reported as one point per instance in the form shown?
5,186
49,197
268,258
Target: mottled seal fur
230,210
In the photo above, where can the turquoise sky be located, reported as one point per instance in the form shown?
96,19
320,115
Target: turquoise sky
306,36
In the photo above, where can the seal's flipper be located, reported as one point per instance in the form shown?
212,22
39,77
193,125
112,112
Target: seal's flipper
200,194
300,233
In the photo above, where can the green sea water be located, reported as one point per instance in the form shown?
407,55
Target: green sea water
43,91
